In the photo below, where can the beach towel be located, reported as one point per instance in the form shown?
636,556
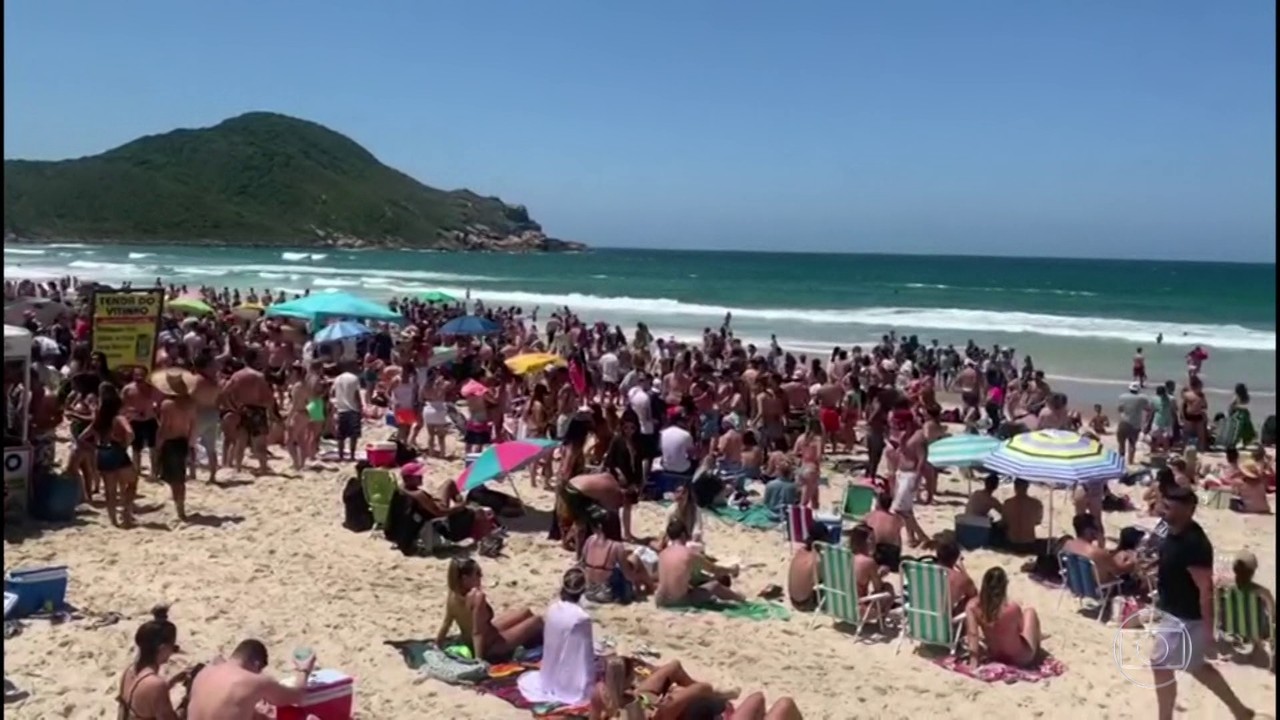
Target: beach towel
755,610
994,672
432,661
756,517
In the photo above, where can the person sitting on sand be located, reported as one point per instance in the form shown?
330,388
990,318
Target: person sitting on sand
999,629
753,456
492,638
983,501
603,559
680,566
1099,424
567,673
444,502
143,694
1251,492
962,587
1022,514
781,491
1266,468
234,688
803,576
1166,478
684,508
668,693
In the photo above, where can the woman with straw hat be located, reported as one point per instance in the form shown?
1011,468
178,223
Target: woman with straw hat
177,428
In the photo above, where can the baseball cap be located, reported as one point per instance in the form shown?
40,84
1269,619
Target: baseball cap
1247,559
1135,387
413,469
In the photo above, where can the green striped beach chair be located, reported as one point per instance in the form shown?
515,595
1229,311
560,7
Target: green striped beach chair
838,591
378,485
927,607
1242,617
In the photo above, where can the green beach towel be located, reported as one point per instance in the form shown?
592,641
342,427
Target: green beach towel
756,517
754,610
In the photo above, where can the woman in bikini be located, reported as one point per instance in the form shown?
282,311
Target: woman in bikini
109,436
491,638
435,412
808,449
1010,632
626,463
143,694
80,411
670,693
298,423
536,425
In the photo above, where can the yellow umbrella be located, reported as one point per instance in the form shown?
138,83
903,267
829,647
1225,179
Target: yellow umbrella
249,311
532,362
190,306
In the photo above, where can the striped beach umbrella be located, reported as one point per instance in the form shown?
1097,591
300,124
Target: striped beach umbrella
1056,458
961,450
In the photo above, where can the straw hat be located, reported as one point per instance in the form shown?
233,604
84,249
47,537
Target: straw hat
174,382
1249,470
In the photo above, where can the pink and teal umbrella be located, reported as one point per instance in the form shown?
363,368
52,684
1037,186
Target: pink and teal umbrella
503,459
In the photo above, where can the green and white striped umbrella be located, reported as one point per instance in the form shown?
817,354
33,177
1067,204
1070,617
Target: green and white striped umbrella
961,450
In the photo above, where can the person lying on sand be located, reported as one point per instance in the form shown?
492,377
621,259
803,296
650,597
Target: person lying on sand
679,565
235,688
999,629
491,638
668,693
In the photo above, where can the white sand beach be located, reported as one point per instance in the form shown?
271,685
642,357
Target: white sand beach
268,558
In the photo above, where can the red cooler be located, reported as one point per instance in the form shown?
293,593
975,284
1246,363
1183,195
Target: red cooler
330,696
381,454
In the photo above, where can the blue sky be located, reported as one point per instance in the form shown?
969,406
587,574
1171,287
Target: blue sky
1143,128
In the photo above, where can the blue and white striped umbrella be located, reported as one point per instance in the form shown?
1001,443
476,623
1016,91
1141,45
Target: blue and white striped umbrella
961,450
1055,458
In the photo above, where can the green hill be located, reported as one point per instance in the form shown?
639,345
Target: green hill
261,179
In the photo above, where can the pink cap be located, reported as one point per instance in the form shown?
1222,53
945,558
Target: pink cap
413,469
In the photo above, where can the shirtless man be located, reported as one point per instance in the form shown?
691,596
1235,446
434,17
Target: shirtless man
868,573
770,409
911,461
795,393
1054,416
803,577
139,399
233,689
176,436
932,431
1088,543
251,398
886,533
728,446
959,583
678,564
1195,425
280,357
205,395
830,397
1022,514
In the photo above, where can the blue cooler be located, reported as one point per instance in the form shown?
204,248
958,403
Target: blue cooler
37,589
973,531
661,483
828,528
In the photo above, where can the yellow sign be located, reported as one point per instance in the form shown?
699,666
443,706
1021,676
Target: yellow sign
125,326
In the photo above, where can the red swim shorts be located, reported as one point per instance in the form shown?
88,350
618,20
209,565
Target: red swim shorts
830,419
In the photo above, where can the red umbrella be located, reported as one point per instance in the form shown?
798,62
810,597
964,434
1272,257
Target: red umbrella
503,459
473,388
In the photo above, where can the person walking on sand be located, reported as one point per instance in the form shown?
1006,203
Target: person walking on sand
251,398
1140,369
176,433
1185,601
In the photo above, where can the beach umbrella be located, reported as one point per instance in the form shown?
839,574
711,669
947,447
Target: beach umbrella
190,306
249,311
503,459
1057,459
473,388
435,296
43,310
470,325
961,451
344,330
532,362
326,306
441,355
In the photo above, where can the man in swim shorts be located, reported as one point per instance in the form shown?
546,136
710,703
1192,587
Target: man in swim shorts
252,398
177,426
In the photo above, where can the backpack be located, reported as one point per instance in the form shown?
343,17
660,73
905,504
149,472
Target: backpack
358,516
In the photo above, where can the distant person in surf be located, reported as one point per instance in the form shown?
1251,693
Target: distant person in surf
1140,369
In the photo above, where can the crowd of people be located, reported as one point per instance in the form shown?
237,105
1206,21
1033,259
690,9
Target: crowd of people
636,416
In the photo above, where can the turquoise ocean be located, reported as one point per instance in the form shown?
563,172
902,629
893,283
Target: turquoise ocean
1081,320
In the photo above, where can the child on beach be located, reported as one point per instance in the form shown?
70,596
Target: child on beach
1099,424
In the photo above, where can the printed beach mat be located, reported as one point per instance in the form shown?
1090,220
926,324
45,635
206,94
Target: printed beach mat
994,672
500,681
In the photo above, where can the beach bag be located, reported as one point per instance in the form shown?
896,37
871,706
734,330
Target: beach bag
357,515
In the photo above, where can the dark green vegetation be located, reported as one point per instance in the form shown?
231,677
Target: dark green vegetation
261,179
